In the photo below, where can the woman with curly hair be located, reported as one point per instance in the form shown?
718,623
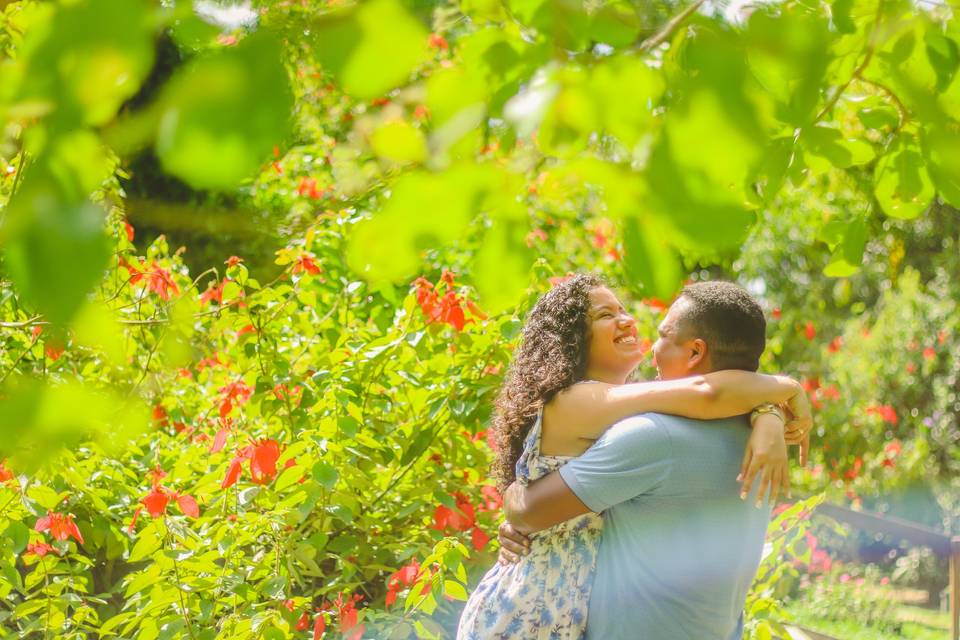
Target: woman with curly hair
566,385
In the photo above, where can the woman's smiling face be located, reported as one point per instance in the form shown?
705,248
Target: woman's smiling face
614,350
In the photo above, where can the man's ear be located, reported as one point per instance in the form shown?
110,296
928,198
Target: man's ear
698,354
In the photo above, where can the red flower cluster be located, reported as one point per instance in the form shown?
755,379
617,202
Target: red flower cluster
234,394
347,612
835,345
891,451
214,292
158,279
887,413
38,549
810,331
263,456
437,41
405,577
463,518
5,474
447,308
306,263
159,497
60,526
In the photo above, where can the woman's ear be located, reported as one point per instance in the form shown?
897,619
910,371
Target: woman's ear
698,353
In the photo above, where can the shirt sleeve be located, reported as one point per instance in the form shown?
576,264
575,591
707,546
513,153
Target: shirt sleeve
632,458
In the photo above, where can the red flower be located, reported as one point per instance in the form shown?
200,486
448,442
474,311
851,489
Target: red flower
421,112
854,471
212,361
911,367
462,518
156,502
319,626
479,539
405,577
5,474
308,187
835,344
893,448
886,412
655,303
129,229
219,440
537,235
776,314
451,311
941,337
810,331
303,623
160,282
306,263
60,526
188,505
233,473
263,461
246,329
234,394
929,353
38,549
347,612
493,501
233,261
53,351
599,238
437,41
555,280
831,392
214,292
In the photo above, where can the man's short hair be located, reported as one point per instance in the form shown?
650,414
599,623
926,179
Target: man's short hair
728,319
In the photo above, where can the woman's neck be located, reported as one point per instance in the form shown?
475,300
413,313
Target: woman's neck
605,375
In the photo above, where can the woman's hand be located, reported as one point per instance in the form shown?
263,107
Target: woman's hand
513,544
766,456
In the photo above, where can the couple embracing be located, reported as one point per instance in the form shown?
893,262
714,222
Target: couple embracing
631,507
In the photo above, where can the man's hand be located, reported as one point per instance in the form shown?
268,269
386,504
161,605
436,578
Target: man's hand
800,423
513,544
766,456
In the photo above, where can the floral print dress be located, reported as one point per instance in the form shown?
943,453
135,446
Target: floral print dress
544,596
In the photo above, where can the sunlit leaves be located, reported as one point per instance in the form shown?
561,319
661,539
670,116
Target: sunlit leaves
223,113
901,182
501,265
370,48
941,148
89,57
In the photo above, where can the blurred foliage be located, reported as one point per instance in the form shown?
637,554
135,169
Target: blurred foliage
808,150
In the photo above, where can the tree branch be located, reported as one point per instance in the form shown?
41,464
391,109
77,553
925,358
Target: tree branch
667,31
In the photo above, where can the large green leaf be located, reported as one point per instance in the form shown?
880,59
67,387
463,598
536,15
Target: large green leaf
901,182
501,265
848,251
627,120
370,48
55,247
831,145
651,265
223,113
87,59
941,149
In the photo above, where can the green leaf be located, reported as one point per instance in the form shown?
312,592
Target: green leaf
325,474
16,535
148,543
840,151
901,183
501,265
371,48
879,117
274,587
944,55
454,589
627,120
651,265
55,249
848,256
941,149
222,114
399,141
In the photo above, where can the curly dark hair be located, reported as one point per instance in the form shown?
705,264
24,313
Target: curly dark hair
551,356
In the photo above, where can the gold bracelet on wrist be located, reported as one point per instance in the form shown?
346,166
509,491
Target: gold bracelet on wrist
767,407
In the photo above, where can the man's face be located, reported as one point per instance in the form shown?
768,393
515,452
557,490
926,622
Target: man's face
671,353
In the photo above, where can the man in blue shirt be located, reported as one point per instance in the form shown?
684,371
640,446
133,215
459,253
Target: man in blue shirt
679,546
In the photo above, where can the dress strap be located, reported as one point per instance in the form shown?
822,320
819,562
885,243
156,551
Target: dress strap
531,449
